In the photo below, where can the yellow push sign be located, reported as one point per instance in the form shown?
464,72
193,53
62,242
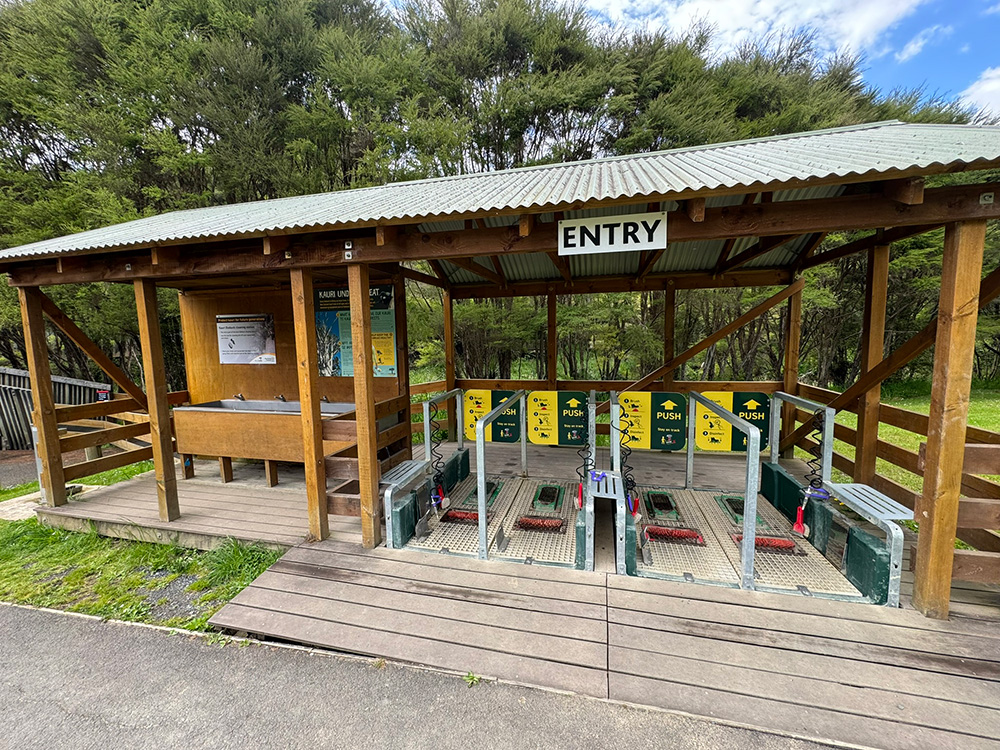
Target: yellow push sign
713,433
654,421
557,417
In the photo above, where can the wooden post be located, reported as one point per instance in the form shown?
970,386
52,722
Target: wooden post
364,405
449,358
225,469
954,347
402,350
793,343
43,407
551,344
872,351
153,368
669,332
271,473
307,365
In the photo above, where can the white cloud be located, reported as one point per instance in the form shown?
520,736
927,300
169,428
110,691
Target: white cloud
916,45
857,25
985,92
992,9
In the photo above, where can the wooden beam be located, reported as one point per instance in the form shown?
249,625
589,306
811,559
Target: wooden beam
793,344
979,513
762,247
912,348
808,250
92,350
43,407
525,224
160,434
385,235
449,358
652,282
954,350
705,343
979,458
730,243
872,352
866,243
646,263
423,278
364,406
976,567
941,205
551,345
694,208
275,245
669,332
495,260
307,367
909,191
470,265
562,265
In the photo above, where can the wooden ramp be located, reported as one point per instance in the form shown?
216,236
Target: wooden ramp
848,672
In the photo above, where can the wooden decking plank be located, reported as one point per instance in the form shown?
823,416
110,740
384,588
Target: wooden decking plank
554,648
801,604
130,503
263,506
471,579
771,681
413,649
205,527
456,562
950,644
809,644
816,722
586,620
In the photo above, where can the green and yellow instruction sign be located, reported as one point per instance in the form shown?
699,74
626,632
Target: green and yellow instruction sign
655,421
713,433
504,429
557,418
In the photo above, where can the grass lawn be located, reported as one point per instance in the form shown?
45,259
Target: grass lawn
113,578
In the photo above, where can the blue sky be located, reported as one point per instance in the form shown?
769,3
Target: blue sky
947,47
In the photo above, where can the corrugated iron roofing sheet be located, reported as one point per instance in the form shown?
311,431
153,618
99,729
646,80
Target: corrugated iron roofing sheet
842,152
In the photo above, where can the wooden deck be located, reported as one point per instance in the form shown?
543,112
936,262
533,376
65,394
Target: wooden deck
852,673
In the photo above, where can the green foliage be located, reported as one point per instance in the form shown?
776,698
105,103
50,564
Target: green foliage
112,110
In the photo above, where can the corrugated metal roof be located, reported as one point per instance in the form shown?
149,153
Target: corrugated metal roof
842,152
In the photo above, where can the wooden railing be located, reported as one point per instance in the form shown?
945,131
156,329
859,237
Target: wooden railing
114,432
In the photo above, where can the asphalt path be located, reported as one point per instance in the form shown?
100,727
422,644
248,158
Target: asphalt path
73,682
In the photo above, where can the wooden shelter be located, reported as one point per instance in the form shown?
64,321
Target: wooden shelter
752,213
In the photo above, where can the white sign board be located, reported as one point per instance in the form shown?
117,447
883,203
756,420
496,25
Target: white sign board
246,339
613,234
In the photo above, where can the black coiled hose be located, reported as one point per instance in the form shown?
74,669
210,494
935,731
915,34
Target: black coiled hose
437,458
814,477
624,425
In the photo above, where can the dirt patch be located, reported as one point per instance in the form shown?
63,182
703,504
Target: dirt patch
172,600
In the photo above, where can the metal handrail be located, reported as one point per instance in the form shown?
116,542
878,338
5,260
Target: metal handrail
481,425
455,393
826,442
752,432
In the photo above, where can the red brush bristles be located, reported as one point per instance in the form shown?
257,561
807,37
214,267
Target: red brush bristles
538,523
460,516
769,542
674,534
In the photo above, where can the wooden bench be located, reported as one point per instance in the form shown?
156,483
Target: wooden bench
882,511
400,479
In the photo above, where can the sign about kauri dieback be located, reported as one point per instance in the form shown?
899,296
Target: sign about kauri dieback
713,433
557,418
654,421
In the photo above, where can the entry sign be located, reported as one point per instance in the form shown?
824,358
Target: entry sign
557,418
658,420
505,429
613,234
713,433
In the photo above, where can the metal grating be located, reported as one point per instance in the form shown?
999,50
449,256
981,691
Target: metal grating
542,547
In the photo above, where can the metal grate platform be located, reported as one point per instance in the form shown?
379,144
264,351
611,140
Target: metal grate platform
804,571
537,546
463,538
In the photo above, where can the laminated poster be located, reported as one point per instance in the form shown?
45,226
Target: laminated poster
333,331
246,339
